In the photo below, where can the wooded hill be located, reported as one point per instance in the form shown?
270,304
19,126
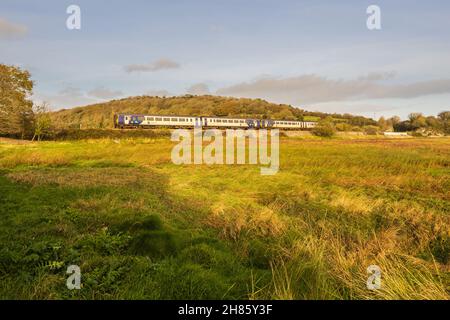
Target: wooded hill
101,115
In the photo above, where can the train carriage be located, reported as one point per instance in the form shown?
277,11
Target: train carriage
149,121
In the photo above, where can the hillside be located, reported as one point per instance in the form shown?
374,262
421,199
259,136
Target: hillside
101,115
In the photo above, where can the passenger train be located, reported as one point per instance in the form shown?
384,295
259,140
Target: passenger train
148,121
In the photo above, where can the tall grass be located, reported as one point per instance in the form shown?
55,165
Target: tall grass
141,227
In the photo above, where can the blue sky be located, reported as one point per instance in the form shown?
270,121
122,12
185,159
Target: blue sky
317,55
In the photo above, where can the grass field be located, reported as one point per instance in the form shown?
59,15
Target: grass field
141,227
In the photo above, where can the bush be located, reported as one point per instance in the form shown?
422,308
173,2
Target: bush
343,127
371,130
324,129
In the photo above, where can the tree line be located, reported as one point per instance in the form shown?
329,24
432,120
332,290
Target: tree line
417,122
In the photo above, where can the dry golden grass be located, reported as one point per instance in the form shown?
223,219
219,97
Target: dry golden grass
233,221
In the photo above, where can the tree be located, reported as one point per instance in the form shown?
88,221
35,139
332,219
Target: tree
325,128
393,121
343,127
403,126
371,130
16,112
444,118
42,121
383,124
444,115
417,120
433,122
414,116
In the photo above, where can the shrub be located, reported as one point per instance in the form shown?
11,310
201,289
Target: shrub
371,130
324,128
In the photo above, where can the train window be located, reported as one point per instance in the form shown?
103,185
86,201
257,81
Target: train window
166,119
236,121
126,118
174,119
150,118
158,119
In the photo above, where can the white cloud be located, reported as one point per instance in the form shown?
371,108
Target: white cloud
9,30
160,64
198,89
311,89
68,97
104,93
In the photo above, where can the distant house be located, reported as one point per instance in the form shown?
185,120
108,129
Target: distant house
395,134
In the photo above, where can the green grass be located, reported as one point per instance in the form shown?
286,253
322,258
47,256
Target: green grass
311,118
141,227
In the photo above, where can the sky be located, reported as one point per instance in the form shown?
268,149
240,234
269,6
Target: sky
315,55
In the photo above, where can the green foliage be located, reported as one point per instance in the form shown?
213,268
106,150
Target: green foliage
371,130
343,127
42,121
16,113
440,248
154,244
325,128
426,125
260,254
